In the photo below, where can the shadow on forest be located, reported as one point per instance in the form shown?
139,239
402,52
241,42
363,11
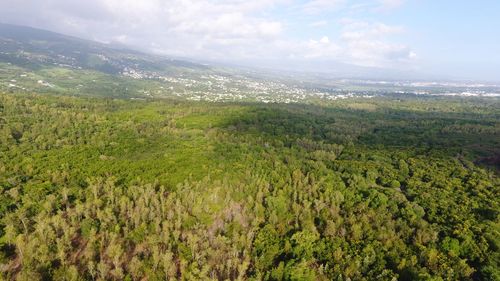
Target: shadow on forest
449,133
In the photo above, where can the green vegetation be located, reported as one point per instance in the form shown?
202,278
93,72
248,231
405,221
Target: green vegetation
58,80
382,189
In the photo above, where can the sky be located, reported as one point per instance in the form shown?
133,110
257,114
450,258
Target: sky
457,39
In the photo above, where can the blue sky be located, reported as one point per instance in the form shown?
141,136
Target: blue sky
421,38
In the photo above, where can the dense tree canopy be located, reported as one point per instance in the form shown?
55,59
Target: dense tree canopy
107,189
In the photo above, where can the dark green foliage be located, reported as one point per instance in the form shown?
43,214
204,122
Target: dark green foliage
104,189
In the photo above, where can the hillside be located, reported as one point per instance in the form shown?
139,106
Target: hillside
34,48
43,61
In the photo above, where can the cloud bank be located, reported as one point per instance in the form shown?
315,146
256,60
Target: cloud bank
227,30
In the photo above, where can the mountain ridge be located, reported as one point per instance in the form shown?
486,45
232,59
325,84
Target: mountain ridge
55,48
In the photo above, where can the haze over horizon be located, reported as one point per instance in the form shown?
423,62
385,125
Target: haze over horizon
381,38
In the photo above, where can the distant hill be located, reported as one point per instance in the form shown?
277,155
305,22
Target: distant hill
39,61
34,48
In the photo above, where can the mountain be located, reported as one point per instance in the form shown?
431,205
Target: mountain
34,48
40,61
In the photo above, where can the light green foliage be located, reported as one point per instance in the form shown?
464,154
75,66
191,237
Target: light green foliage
110,189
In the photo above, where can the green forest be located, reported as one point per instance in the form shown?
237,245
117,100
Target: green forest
393,188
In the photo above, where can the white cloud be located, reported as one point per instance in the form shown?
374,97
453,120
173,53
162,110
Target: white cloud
322,48
360,43
324,40
230,30
200,28
367,44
